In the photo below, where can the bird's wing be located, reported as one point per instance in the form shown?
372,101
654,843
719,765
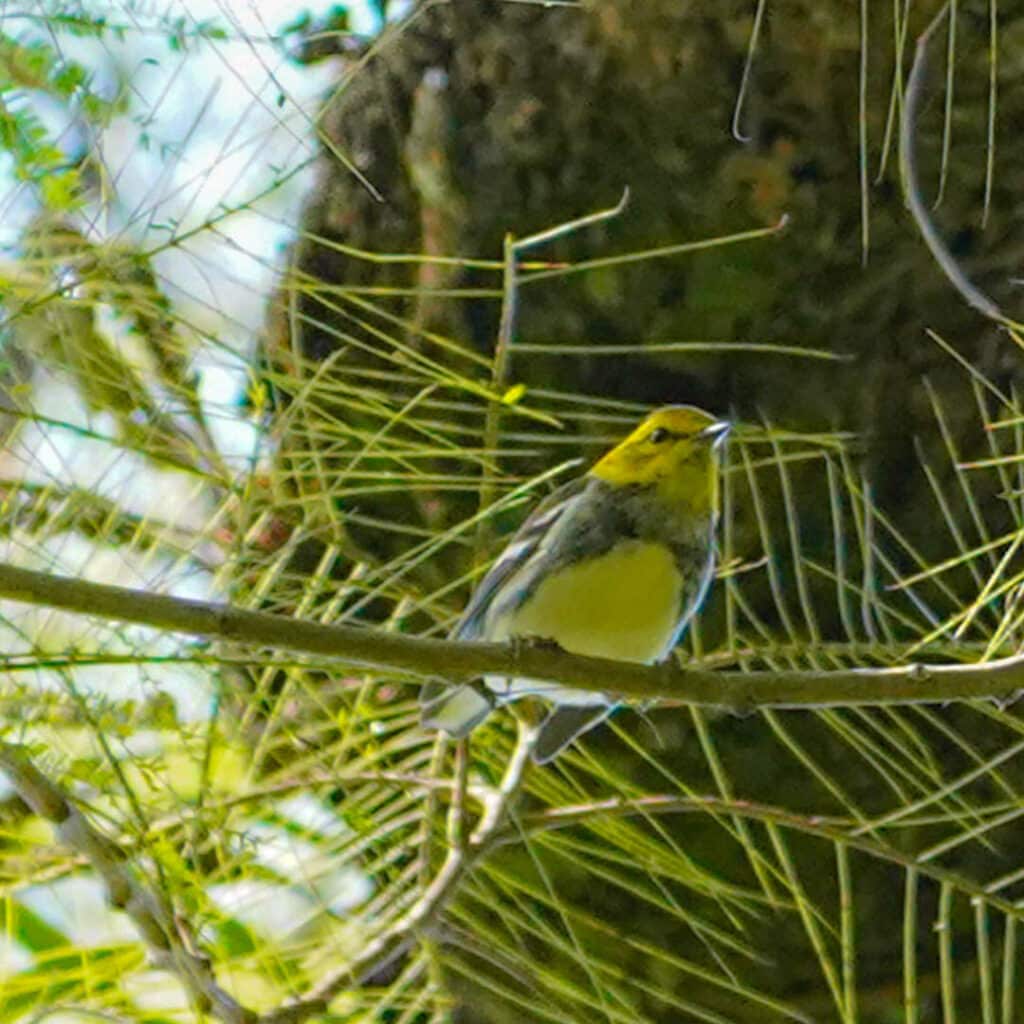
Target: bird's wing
521,547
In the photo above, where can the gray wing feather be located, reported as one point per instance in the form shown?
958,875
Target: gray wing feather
521,548
461,709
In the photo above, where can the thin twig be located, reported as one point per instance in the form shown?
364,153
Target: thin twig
512,263
834,829
499,381
908,154
748,66
993,85
947,119
515,771
862,136
660,252
169,947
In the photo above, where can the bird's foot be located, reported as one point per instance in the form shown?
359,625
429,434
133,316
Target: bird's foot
520,644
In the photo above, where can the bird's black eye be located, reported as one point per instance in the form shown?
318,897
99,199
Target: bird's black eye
657,435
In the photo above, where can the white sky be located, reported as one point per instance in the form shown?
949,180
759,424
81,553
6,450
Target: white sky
224,120
208,130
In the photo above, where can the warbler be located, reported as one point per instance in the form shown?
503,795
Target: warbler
613,564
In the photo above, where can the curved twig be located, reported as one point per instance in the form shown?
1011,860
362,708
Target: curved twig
973,295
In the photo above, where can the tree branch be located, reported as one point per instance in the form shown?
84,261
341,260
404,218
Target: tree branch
170,949
394,941
422,659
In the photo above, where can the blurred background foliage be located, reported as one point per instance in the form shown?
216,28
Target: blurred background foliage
337,428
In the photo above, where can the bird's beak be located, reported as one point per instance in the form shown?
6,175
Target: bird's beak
716,433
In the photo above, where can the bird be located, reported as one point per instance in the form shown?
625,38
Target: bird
612,564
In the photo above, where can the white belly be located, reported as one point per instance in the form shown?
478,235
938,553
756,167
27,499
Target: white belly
624,604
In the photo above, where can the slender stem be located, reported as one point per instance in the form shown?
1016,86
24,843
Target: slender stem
499,381
511,263
748,66
973,295
862,136
993,85
834,829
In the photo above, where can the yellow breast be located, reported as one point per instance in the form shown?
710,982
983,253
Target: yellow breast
624,604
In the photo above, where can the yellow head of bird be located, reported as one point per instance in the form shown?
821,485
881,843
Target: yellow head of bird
674,450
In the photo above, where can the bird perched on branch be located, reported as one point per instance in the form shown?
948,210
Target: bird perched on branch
613,564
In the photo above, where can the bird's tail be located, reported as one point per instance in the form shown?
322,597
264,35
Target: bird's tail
564,724
457,711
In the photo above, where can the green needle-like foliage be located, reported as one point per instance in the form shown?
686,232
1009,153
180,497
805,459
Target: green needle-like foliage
200,829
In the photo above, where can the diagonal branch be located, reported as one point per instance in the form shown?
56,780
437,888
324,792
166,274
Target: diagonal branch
394,941
421,658
170,947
